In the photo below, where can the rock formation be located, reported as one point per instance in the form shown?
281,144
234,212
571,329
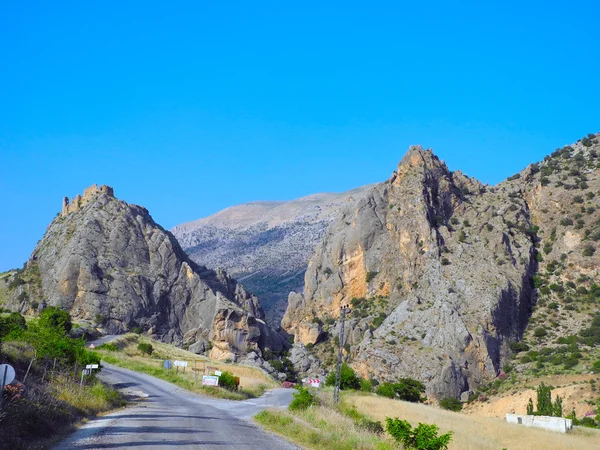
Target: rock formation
109,263
437,269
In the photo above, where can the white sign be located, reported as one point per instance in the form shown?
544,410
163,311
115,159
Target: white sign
92,346
180,363
7,374
91,366
208,380
218,373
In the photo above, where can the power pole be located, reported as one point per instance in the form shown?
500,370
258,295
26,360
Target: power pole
336,391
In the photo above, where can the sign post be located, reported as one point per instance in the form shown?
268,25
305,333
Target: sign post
89,369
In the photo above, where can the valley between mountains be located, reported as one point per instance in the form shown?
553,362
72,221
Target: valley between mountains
474,290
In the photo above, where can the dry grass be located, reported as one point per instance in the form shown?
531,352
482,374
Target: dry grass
50,403
324,428
253,382
474,433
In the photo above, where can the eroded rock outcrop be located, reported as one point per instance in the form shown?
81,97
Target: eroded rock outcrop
108,262
437,268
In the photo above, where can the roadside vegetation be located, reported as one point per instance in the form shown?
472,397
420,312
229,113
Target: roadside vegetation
145,355
45,401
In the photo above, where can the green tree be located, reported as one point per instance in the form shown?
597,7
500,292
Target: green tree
348,378
544,404
53,317
530,408
422,437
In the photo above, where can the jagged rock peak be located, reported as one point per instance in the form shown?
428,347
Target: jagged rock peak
78,201
112,267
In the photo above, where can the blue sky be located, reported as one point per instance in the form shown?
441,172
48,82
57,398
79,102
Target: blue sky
190,107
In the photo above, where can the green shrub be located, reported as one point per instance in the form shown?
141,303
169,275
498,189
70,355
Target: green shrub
518,347
303,399
12,326
422,437
365,385
540,332
145,347
450,403
373,426
109,346
596,366
229,381
589,250
406,389
348,378
53,317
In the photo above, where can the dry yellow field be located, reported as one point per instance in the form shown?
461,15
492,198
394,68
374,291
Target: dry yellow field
250,378
472,432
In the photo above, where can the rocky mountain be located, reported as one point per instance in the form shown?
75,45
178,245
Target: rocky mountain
443,273
265,245
107,262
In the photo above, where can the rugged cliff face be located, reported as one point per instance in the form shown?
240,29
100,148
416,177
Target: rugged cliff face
109,263
437,268
265,245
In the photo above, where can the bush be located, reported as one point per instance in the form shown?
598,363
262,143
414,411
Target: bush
373,426
406,389
53,317
589,250
348,378
423,437
228,381
12,326
365,385
145,348
109,346
540,332
450,403
518,347
303,399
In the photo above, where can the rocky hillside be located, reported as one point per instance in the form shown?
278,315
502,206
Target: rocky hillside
441,271
108,263
265,245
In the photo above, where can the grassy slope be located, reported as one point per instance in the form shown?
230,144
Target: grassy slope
326,427
51,403
253,382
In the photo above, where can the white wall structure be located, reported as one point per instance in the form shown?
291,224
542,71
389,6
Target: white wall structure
547,423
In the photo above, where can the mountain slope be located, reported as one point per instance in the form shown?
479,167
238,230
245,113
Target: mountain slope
445,275
437,269
265,245
109,263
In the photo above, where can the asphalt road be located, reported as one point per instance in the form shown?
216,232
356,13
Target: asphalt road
168,417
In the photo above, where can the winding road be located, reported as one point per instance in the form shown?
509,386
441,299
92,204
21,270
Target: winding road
168,417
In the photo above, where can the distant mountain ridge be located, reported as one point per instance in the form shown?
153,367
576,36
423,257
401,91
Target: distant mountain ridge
265,244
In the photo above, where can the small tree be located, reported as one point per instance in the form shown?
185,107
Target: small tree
302,399
145,348
544,404
422,437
